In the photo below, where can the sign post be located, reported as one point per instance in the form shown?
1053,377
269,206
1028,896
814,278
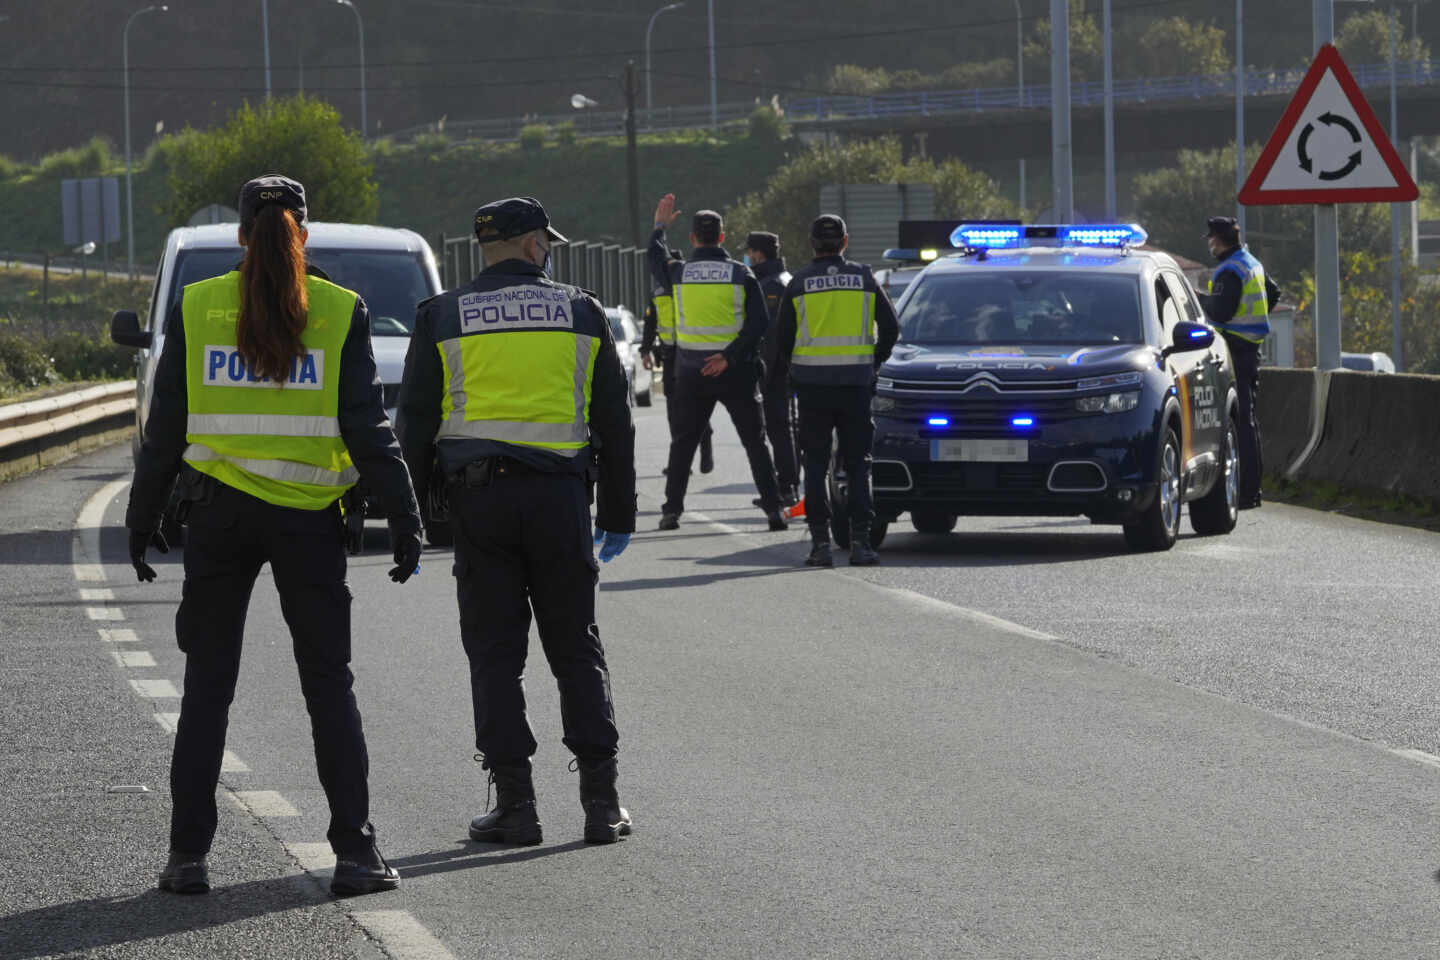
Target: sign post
1328,148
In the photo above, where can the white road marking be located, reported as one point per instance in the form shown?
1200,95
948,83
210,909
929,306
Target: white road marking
168,721
975,616
1419,756
133,658
233,764
264,803
96,594
314,858
154,688
118,635
403,936
104,613
718,524
85,543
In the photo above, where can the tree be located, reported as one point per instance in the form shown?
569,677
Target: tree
297,136
1086,46
1178,47
791,197
1365,38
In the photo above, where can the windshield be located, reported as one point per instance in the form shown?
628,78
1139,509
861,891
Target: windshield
619,327
390,282
1013,308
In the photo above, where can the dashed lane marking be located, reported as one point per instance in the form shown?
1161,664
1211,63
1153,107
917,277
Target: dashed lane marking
1419,756
169,722
85,543
104,613
316,858
263,803
154,688
96,594
118,635
233,764
403,936
133,658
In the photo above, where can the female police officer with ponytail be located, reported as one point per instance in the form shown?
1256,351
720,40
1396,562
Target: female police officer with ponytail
267,408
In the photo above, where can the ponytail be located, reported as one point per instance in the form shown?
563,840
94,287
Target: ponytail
274,301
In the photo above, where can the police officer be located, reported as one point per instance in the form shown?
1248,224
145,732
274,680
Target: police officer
515,381
762,255
267,406
1239,304
836,330
720,317
658,341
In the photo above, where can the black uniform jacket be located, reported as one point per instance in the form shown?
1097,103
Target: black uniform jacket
740,352
1223,299
611,430
887,328
773,279
363,426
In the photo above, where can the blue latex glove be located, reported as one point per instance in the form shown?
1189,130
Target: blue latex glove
615,544
599,536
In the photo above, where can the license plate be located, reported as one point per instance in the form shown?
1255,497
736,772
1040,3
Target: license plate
967,450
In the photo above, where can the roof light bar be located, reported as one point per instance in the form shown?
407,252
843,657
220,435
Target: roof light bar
988,236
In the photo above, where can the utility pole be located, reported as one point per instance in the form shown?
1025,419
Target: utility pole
1020,87
714,110
1397,341
1060,151
1109,119
1240,110
1327,239
632,163
265,29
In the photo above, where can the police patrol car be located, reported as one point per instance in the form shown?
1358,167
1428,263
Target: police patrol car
1056,370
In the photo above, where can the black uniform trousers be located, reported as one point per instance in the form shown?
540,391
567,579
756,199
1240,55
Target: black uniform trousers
780,428
522,546
823,411
667,383
227,541
694,401
1246,357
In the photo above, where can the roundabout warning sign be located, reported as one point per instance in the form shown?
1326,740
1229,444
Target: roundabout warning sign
1328,147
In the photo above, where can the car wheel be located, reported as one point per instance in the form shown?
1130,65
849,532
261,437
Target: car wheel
643,399
878,529
1159,526
439,534
932,521
1217,511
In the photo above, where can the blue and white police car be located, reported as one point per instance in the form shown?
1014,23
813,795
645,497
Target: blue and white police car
1051,371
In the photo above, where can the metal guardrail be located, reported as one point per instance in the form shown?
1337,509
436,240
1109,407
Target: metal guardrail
618,275
924,103
36,433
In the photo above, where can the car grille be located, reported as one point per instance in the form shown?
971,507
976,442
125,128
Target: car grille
946,479
986,411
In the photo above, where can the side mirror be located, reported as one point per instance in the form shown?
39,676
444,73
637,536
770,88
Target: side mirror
1190,336
125,330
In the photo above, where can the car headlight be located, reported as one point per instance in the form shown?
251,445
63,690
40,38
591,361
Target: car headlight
882,404
1109,402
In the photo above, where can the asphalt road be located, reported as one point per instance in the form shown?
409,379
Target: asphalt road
1016,741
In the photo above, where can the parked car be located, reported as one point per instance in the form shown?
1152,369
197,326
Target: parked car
627,344
1369,362
391,269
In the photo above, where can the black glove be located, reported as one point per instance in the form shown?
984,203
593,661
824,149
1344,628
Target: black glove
405,538
139,540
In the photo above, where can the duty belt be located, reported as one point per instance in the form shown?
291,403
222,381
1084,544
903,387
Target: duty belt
481,472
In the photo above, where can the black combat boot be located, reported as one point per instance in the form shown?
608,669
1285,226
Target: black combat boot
357,874
819,549
605,820
861,553
185,874
669,521
514,819
777,520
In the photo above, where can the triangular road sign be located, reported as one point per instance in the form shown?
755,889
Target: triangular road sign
1328,147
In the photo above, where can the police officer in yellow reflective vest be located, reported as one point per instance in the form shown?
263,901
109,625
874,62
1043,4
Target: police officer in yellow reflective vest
267,406
1239,303
720,317
836,329
658,340
515,382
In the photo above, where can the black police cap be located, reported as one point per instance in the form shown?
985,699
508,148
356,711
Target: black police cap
503,219
828,226
268,190
707,221
1226,228
764,241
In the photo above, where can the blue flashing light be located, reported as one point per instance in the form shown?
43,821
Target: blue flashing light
1103,235
1199,334
939,421
1022,421
985,236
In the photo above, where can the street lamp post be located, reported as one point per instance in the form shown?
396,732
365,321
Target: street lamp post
1020,87
265,31
360,26
1060,147
1397,341
1240,110
649,80
714,111
129,194
1109,117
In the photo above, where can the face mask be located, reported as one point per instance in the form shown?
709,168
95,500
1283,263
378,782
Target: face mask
747,261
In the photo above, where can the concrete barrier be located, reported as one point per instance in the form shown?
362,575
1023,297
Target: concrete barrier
1382,434
1286,398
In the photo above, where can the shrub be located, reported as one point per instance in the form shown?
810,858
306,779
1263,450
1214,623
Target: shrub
431,141
9,168
296,136
766,125
88,160
533,135
382,147
23,363
565,133
74,356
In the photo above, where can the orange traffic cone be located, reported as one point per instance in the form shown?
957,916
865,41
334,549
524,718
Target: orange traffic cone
796,511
